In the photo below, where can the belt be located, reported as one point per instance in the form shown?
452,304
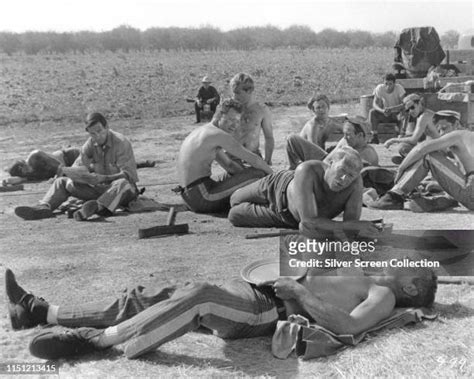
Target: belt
180,189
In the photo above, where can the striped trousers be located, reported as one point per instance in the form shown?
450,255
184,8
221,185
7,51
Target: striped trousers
206,195
146,320
445,172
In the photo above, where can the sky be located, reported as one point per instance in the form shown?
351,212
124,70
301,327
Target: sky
342,15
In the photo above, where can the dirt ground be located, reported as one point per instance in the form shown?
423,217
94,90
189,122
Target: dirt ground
66,261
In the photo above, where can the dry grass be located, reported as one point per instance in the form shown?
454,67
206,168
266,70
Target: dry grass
150,85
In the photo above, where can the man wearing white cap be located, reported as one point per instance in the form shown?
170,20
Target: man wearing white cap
207,95
431,156
415,106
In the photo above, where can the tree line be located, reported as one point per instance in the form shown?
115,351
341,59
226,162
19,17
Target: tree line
126,38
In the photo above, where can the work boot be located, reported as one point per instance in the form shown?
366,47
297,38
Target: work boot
389,201
37,212
89,208
419,204
25,309
66,343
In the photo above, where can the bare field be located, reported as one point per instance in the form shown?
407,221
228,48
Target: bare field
66,261
155,84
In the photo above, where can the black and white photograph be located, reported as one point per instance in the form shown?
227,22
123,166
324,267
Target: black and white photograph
278,189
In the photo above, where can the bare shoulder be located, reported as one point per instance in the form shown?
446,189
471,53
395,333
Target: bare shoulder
258,107
427,116
309,125
381,293
459,136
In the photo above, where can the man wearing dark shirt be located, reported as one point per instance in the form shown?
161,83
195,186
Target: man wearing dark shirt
207,95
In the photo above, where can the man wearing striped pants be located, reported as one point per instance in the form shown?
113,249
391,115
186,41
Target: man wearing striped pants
211,143
144,321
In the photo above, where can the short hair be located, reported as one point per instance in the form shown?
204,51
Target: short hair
317,98
350,156
426,284
16,169
390,77
224,108
94,118
357,128
242,79
450,119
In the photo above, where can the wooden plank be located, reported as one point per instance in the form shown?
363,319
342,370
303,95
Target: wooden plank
163,230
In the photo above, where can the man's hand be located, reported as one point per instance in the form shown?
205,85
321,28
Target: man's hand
286,288
390,142
387,112
367,229
94,179
268,161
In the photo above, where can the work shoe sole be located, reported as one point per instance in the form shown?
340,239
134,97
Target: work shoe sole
422,204
31,213
63,344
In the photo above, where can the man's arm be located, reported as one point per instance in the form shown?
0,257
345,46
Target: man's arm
231,166
353,208
216,99
369,156
311,224
230,145
268,134
378,305
420,128
426,147
377,104
307,131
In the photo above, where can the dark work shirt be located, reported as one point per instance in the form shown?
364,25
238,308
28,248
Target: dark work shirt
209,93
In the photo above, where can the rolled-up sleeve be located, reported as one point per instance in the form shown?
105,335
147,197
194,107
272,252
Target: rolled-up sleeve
125,160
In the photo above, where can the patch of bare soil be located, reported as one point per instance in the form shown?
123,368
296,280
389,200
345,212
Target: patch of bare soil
71,262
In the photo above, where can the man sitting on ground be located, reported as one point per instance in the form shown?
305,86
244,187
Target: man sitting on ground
424,127
209,143
144,320
387,104
109,156
355,131
431,156
321,126
207,95
255,117
307,198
